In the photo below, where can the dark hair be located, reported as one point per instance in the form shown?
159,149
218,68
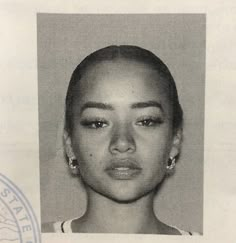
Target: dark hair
128,52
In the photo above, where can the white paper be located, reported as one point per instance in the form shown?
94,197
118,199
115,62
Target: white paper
19,125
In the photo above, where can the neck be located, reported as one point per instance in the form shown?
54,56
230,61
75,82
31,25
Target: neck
107,216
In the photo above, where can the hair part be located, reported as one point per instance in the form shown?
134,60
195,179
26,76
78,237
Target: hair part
128,52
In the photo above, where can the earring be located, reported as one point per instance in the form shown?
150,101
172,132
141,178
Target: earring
171,163
74,166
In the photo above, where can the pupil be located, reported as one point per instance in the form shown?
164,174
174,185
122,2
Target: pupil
99,124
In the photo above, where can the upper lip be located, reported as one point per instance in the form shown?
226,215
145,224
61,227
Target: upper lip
123,163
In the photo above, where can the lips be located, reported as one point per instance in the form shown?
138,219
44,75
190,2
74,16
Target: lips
125,169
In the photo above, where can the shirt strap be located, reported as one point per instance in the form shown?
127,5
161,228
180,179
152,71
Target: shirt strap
67,226
183,232
63,226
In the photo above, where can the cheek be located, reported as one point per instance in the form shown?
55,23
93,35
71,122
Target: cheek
154,150
83,143
88,150
156,143
154,164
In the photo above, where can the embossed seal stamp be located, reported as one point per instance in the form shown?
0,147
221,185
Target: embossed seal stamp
17,219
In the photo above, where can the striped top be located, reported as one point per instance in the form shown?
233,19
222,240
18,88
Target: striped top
65,227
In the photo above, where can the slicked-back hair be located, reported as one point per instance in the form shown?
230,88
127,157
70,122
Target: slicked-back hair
126,52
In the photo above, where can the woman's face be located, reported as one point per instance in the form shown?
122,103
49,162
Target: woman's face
122,129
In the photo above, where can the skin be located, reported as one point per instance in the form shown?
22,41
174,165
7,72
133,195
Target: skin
122,113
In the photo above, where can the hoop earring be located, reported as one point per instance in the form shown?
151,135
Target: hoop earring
74,166
171,163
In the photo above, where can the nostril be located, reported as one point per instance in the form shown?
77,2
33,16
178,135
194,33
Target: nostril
122,143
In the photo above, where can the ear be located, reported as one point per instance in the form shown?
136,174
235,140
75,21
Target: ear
68,145
176,143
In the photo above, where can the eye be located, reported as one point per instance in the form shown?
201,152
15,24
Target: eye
149,121
94,124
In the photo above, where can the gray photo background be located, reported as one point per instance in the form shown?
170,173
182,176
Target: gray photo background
179,40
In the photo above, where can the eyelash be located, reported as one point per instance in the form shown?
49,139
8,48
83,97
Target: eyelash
94,124
149,121
101,123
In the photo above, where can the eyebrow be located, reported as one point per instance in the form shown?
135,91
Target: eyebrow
97,105
104,106
146,104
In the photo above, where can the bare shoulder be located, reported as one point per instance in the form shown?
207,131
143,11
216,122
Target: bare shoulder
170,230
47,227
165,229
184,232
173,230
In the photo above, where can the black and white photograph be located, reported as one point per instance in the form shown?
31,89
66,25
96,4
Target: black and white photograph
117,121
121,122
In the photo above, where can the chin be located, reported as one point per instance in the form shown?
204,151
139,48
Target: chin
126,199
124,195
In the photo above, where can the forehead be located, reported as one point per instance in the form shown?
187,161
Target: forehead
121,76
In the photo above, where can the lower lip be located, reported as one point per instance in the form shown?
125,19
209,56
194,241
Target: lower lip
123,173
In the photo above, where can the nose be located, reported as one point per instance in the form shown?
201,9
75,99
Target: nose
122,140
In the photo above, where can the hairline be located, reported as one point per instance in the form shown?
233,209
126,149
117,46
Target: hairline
146,58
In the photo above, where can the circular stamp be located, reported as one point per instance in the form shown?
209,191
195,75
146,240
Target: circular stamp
17,219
